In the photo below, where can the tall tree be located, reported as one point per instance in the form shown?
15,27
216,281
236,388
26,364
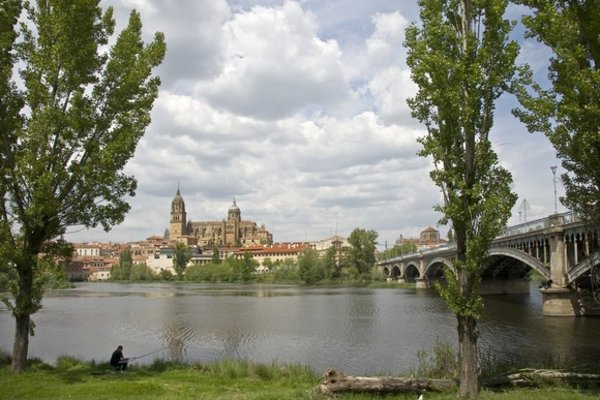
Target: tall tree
181,257
122,270
68,127
216,256
310,266
362,253
568,112
462,61
245,267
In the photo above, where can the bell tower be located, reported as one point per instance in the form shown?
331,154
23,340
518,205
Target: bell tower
178,217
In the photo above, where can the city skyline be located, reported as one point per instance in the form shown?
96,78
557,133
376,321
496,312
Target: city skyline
310,133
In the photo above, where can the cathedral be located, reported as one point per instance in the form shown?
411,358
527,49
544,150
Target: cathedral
232,231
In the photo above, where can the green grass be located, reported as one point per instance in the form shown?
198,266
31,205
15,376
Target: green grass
226,379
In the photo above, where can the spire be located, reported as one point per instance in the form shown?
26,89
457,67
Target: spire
179,194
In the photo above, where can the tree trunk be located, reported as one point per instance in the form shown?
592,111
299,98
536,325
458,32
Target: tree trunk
336,382
21,344
467,353
538,377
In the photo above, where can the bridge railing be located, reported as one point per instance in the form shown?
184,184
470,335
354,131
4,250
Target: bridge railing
514,230
536,225
420,253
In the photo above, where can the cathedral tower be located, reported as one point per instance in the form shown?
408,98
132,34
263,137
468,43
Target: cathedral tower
234,214
178,217
232,226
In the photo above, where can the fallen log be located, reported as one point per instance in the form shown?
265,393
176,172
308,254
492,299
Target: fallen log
335,382
535,377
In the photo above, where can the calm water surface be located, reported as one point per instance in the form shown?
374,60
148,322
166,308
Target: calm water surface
356,330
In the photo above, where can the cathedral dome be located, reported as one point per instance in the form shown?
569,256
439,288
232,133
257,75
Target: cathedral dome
234,207
234,213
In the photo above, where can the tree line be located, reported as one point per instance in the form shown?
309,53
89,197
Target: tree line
355,264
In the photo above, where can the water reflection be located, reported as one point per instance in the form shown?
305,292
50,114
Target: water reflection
357,330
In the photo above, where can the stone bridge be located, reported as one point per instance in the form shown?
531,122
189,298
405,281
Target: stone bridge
562,249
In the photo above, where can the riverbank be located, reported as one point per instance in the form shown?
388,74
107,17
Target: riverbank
225,379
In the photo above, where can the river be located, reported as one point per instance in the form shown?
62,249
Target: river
361,331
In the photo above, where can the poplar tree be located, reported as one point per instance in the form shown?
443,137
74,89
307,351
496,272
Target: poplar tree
569,110
181,257
462,60
73,106
362,253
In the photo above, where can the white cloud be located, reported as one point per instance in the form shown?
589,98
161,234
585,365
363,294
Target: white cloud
391,87
276,65
298,110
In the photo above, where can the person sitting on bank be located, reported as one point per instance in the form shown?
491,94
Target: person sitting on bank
117,361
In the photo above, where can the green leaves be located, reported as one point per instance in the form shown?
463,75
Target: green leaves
362,253
462,60
181,256
67,129
568,112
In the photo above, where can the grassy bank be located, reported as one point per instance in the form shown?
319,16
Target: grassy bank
73,379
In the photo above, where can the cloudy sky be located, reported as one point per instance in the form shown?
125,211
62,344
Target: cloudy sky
297,109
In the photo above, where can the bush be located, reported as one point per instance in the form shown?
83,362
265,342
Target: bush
166,275
141,272
441,363
214,273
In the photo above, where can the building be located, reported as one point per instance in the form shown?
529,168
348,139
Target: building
275,253
232,231
87,249
428,238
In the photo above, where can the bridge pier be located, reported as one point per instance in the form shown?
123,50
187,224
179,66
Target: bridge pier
422,283
567,302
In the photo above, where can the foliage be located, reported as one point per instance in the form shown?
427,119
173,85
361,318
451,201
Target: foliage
166,275
450,236
310,266
181,257
214,273
244,267
122,270
333,263
57,277
286,271
398,250
126,270
72,110
440,362
568,112
362,253
142,272
216,256
462,60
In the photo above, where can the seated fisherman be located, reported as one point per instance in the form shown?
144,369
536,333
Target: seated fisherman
117,361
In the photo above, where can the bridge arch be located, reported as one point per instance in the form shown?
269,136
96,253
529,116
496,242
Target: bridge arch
519,255
584,267
435,268
411,271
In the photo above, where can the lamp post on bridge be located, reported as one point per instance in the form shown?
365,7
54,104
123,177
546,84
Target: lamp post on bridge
553,168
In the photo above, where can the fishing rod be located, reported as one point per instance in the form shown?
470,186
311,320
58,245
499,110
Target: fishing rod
147,354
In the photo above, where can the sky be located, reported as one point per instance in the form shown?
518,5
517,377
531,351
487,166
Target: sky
297,110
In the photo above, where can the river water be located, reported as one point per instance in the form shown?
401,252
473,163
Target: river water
359,331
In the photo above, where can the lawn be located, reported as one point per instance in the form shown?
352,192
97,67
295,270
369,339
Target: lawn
227,379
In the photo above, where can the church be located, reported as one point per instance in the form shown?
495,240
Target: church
232,231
